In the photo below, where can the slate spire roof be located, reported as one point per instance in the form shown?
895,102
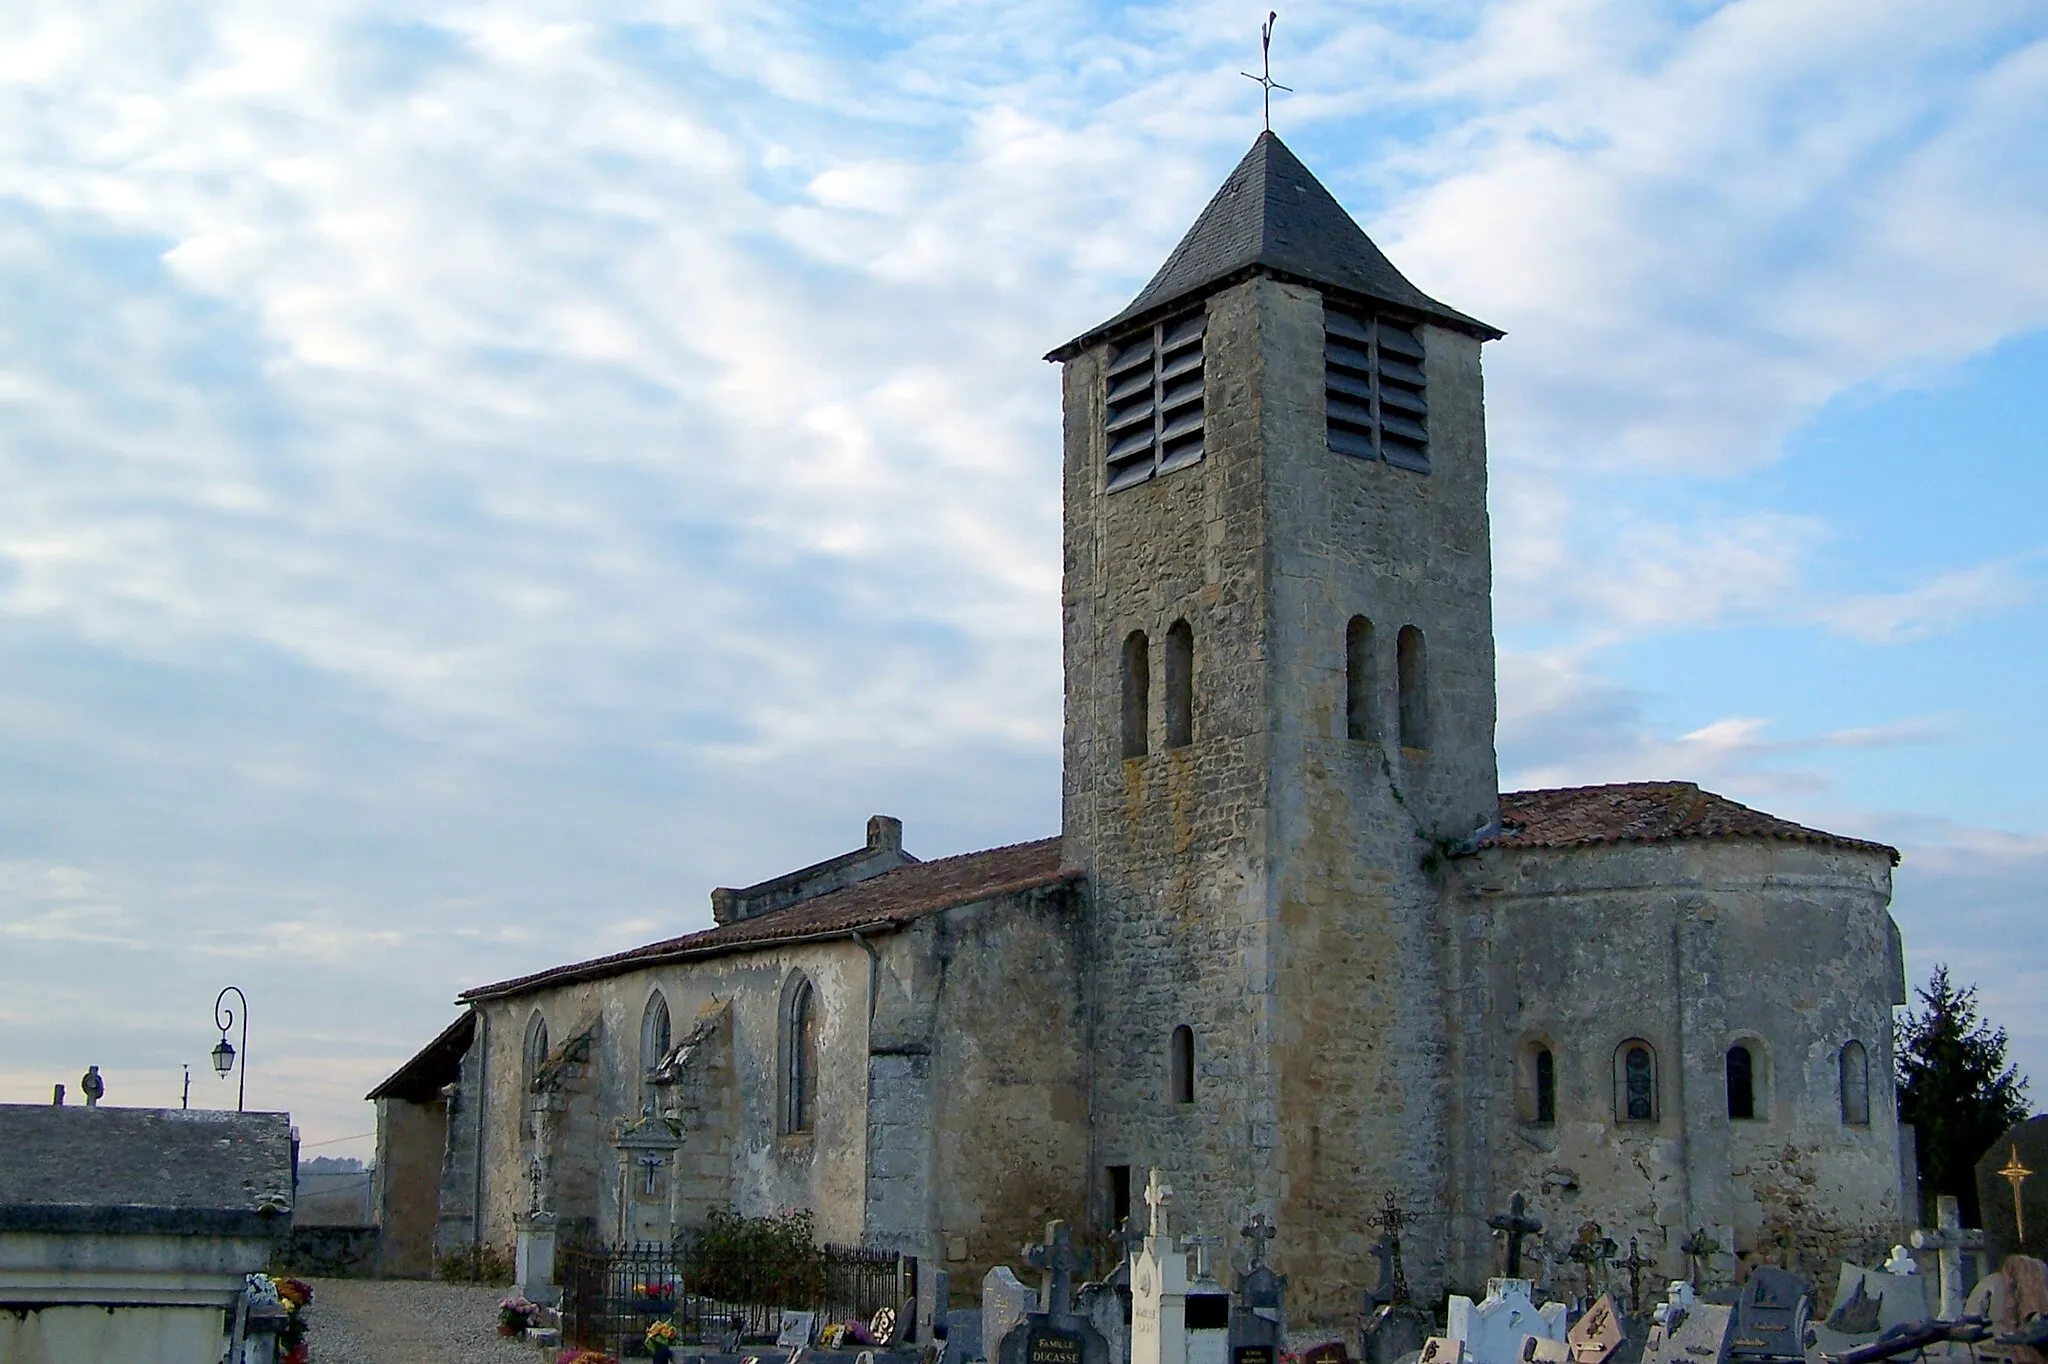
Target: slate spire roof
1273,217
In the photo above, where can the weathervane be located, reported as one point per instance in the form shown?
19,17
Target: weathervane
1267,85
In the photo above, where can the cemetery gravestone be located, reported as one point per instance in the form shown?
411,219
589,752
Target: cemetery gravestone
1057,1335
1770,1316
1695,1334
1107,1312
1492,1330
1594,1337
1005,1302
2012,1191
1159,1287
1329,1352
796,1330
1867,1303
963,1337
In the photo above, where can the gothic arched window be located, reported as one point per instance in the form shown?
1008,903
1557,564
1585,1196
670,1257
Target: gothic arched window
1413,668
799,1055
1635,1082
1183,1064
1855,1084
1741,1081
1180,685
1359,680
1137,694
536,1052
654,1032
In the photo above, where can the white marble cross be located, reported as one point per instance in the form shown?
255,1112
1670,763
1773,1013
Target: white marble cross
1950,1238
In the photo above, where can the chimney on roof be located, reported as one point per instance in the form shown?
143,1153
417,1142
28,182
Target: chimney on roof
885,833
883,852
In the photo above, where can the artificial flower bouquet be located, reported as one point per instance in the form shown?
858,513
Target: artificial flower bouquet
515,1314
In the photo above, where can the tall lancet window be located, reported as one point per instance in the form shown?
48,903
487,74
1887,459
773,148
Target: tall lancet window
1137,695
1374,398
1152,415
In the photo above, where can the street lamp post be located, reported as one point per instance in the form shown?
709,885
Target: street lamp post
224,1050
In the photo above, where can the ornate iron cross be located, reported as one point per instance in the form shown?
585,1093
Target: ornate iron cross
1258,1231
1635,1264
1391,1218
1517,1224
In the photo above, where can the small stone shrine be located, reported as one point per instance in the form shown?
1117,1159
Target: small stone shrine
1493,1329
1950,1239
1057,1335
1005,1302
1159,1288
2012,1191
647,1150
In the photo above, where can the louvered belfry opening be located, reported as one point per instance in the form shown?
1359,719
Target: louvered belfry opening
1154,407
1373,389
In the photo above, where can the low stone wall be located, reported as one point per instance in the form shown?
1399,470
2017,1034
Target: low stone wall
328,1252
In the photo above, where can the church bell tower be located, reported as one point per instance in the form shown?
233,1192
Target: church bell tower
1279,719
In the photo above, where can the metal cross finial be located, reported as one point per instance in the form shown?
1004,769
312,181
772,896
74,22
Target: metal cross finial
1697,1249
533,1175
1591,1250
2016,1174
1267,85
1157,1191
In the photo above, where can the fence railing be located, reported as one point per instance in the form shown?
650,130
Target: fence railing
612,1294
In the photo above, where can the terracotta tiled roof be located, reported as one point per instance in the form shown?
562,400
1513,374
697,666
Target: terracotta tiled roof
880,903
1646,812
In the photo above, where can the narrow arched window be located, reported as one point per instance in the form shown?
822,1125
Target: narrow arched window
1413,667
799,1055
1359,680
1180,685
1545,1078
1137,694
1635,1082
1741,1081
1183,1064
654,1032
1855,1084
536,1053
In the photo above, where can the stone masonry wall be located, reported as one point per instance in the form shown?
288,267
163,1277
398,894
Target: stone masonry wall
1358,824
1174,841
1692,947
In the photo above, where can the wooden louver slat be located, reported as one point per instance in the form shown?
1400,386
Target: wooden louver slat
1374,389
1152,403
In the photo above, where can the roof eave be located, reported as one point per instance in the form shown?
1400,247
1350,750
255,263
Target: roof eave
1132,318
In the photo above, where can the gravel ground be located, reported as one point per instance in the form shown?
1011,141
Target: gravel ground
409,1321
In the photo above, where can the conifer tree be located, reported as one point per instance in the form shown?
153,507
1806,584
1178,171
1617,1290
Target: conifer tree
1956,1089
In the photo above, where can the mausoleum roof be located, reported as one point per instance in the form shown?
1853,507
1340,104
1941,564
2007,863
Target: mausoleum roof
1647,812
169,1171
1273,217
879,904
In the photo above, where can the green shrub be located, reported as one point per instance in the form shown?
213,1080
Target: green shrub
756,1261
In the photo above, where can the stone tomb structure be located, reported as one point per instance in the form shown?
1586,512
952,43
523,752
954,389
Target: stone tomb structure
1291,940
1493,1329
128,1233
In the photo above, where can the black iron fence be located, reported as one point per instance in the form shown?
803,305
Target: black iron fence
612,1294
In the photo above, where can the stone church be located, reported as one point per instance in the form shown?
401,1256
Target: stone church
1292,943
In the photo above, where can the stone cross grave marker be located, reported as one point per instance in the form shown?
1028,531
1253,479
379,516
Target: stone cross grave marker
1493,1329
1054,1258
1159,1288
1056,1335
1515,1224
1949,1239
1698,1250
1594,1337
1004,1303
1257,1233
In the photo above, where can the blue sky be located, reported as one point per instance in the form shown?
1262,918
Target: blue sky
475,477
